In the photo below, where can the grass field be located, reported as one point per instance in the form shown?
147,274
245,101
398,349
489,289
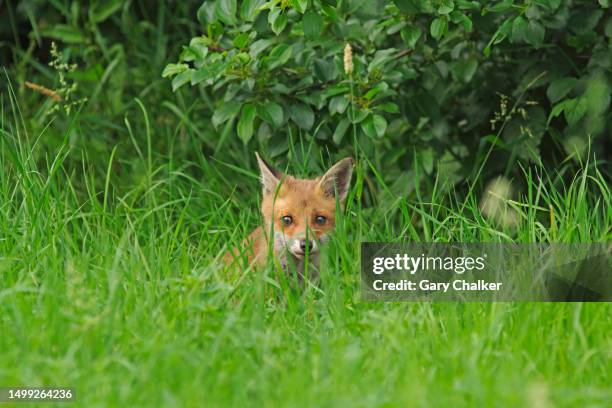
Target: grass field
118,290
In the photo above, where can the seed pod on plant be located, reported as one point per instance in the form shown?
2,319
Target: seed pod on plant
348,59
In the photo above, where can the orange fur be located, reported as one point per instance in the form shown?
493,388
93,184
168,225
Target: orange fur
303,200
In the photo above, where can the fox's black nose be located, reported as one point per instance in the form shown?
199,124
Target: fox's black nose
304,244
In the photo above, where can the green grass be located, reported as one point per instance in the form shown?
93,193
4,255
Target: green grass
116,288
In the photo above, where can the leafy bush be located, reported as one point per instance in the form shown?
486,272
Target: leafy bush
116,51
442,84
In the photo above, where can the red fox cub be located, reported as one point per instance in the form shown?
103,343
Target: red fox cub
299,212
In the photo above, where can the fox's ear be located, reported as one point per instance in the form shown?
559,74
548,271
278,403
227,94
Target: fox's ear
270,177
337,179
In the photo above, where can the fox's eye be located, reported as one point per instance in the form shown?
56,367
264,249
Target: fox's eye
287,220
320,220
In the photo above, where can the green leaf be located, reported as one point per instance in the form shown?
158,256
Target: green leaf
263,132
225,10
356,115
241,40
574,110
608,28
340,131
550,4
559,88
325,70
406,6
534,33
302,115
556,111
584,20
376,89
438,27
174,69
181,79
277,20
197,49
338,104
258,46
279,56
313,25
334,90
597,95
468,5
381,59
368,127
215,29
410,35
330,12
300,5
464,70
380,125
188,54
374,126
65,33
272,113
101,12
501,33
427,158
446,6
502,6
208,71
227,111
519,29
249,9
460,18
388,107
245,124
206,13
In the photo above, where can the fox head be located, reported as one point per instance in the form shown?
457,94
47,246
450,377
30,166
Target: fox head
303,211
